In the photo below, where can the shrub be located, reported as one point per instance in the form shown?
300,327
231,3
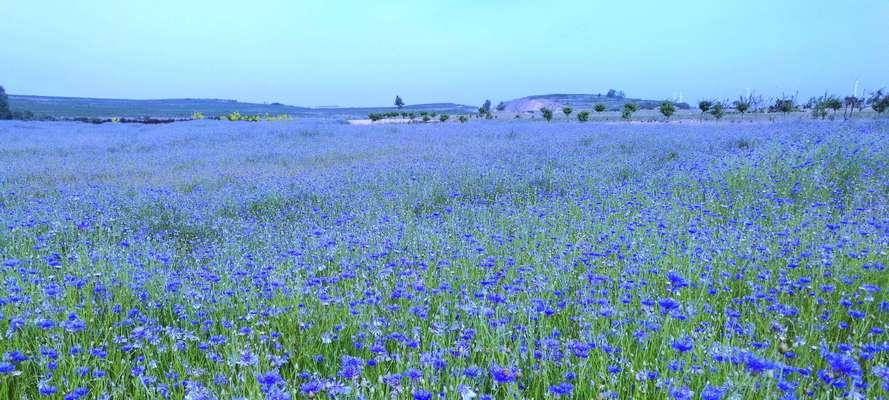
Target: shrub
629,109
547,114
833,103
783,105
374,117
462,119
819,111
879,101
398,102
717,110
704,106
197,115
599,107
501,106
742,105
443,117
567,110
583,116
426,118
485,108
667,108
4,105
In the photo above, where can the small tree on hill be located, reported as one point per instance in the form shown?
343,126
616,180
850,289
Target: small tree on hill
567,110
583,116
629,109
547,114
501,106
443,117
599,107
398,102
704,106
4,105
462,119
667,109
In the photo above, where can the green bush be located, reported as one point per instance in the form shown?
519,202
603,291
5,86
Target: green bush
742,105
4,105
443,117
583,116
599,107
629,109
667,109
879,101
704,106
567,110
547,114
717,110
462,119
374,117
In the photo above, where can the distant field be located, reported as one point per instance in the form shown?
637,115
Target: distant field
491,259
72,107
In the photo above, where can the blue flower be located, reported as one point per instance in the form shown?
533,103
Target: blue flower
503,375
421,394
561,389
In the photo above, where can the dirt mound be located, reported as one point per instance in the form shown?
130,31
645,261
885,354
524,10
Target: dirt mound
524,105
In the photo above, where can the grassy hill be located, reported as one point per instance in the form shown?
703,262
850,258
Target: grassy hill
72,107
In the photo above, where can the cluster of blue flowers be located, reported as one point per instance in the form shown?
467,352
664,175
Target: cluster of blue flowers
488,260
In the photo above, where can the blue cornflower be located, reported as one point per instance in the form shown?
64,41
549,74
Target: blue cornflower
561,389
684,344
681,393
6,368
502,375
843,365
77,393
46,389
712,393
311,387
422,394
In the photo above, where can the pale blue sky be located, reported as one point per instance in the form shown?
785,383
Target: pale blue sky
363,53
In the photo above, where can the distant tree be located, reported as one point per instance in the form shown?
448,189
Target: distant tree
485,108
717,110
783,105
501,106
833,103
704,106
375,116
462,119
629,109
611,93
818,105
850,102
742,104
398,102
583,116
547,114
426,118
443,117
879,101
4,105
567,110
599,107
667,108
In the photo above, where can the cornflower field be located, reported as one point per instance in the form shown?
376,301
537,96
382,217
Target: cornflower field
488,260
